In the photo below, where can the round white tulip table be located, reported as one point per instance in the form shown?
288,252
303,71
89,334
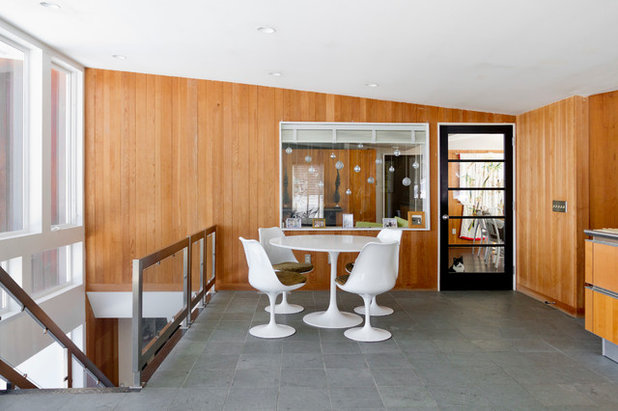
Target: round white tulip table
333,245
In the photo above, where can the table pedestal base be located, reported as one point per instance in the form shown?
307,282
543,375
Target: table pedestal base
367,334
332,319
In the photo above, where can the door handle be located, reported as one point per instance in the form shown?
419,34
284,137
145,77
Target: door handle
445,217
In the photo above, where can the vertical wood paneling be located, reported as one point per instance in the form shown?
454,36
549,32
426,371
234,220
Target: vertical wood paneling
552,164
604,160
166,156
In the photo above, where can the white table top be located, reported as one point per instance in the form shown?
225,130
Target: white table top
324,243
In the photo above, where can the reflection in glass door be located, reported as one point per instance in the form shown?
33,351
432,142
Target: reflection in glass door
476,207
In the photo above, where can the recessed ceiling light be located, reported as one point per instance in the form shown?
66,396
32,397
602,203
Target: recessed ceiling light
266,29
372,85
119,56
275,74
50,5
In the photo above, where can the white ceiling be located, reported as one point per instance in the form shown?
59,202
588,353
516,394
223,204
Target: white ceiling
490,55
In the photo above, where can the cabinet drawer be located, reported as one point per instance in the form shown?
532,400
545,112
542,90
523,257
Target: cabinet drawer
604,316
605,266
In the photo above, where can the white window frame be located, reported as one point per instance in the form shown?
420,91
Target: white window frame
331,137
26,101
74,176
38,235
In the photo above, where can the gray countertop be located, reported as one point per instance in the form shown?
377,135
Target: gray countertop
603,233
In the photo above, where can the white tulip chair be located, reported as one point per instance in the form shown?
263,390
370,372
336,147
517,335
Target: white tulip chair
386,235
375,272
263,277
282,259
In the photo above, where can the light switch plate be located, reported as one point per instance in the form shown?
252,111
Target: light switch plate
559,206
308,258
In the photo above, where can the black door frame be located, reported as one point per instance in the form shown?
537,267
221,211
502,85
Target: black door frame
476,281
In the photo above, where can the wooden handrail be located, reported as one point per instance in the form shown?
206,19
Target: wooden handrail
15,378
37,313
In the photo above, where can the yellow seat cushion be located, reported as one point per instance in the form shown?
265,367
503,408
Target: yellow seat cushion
342,279
290,278
294,267
349,267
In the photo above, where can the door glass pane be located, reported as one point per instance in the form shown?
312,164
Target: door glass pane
464,260
473,231
11,138
474,146
476,175
476,202
60,146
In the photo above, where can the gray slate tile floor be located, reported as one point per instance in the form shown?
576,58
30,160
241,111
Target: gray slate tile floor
450,350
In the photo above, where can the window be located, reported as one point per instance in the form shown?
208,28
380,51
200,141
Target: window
41,166
12,101
61,146
56,267
308,186
13,267
375,173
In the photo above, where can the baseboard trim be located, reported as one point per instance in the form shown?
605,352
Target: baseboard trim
566,308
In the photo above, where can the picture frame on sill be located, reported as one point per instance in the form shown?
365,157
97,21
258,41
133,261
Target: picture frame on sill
416,219
389,222
318,223
293,223
348,220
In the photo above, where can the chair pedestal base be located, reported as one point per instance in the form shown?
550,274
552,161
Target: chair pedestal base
367,334
375,310
284,307
272,331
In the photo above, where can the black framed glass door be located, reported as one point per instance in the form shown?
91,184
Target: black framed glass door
476,207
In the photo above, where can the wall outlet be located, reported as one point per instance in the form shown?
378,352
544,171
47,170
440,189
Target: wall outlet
308,258
454,231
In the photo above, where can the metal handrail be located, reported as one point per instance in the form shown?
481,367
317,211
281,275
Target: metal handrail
145,358
49,326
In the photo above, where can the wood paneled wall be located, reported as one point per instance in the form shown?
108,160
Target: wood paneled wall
552,164
604,160
167,156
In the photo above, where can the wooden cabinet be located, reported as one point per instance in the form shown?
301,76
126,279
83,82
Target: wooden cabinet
601,293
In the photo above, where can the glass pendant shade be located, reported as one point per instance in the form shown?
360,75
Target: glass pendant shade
378,161
391,169
371,180
348,191
339,165
332,155
406,181
415,165
288,150
357,168
308,159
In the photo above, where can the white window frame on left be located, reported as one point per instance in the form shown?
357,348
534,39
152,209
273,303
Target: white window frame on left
38,234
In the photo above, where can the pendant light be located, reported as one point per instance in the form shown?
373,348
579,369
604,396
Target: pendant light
406,180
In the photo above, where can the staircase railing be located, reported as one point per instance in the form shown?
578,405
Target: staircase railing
50,327
146,359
